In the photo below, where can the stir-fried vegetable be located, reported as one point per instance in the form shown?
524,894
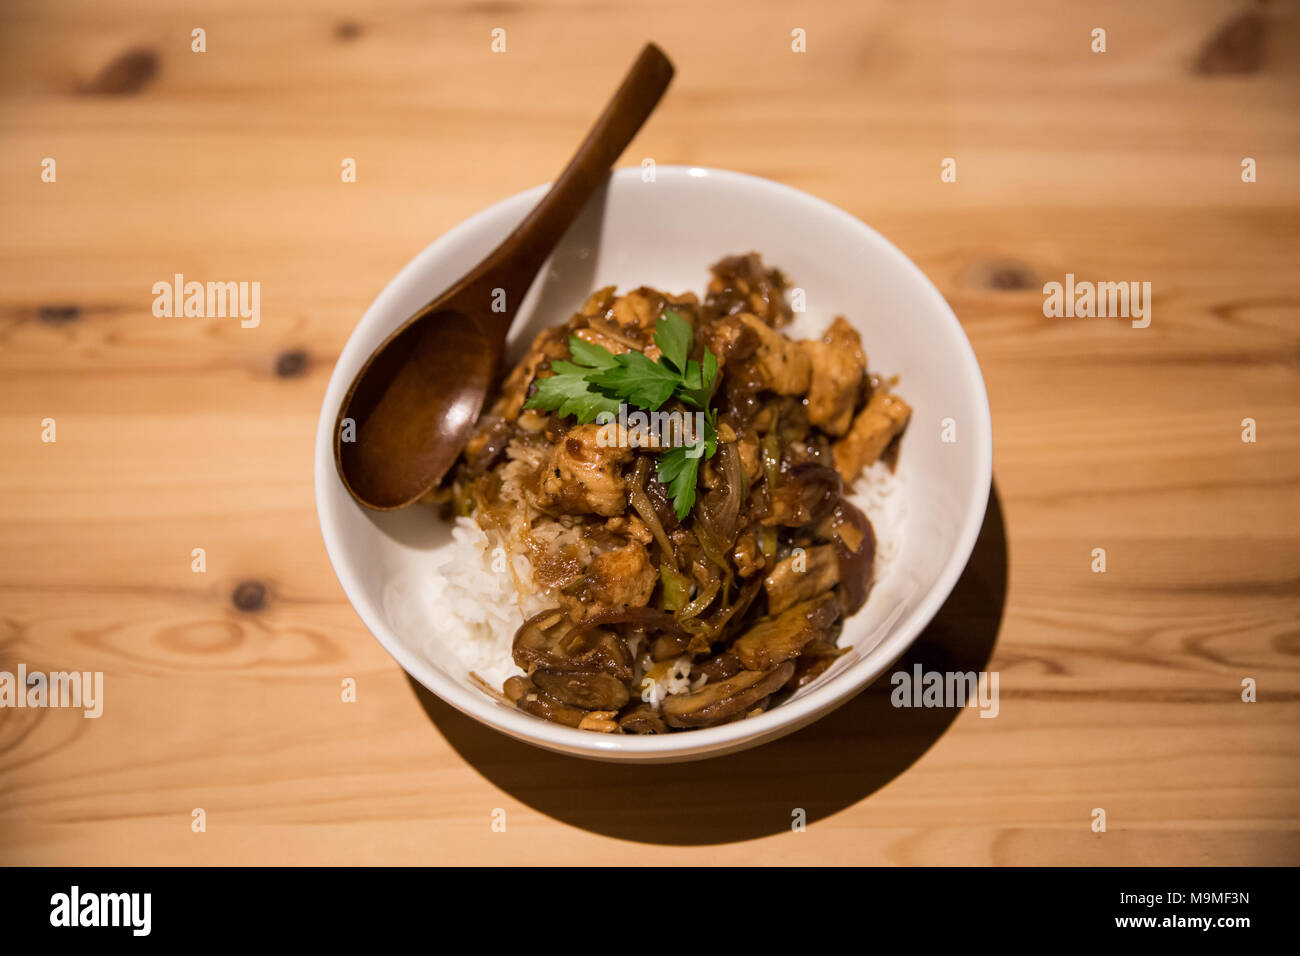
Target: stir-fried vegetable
676,588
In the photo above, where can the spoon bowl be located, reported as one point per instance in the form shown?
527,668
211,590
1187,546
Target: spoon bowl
419,392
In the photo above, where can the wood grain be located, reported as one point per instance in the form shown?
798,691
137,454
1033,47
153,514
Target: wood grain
1119,691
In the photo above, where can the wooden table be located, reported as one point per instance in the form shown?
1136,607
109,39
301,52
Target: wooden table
1119,691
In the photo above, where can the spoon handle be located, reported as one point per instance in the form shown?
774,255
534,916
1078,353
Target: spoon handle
514,264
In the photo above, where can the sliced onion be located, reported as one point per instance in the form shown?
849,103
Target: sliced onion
712,629
640,503
739,606
717,514
719,510
702,600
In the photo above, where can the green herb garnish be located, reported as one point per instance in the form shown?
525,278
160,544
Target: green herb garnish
598,381
679,468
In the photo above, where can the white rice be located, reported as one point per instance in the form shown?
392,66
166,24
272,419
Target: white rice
482,598
880,496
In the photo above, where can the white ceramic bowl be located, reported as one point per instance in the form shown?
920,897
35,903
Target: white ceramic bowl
665,234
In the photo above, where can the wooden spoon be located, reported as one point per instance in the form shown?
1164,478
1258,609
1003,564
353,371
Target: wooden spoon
411,408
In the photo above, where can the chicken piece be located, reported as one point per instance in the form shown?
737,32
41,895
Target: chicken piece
836,380
582,476
845,337
618,347
600,721
747,555
776,639
631,527
621,578
804,574
630,319
784,364
885,416
637,310
599,302
751,462
592,337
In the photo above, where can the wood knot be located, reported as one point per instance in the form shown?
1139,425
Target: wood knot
59,314
347,30
1237,47
1004,275
249,595
291,363
127,73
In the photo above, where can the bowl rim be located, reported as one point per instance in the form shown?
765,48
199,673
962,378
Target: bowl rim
701,742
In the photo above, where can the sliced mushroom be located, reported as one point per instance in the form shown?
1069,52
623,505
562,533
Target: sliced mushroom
718,668
804,574
531,700
642,719
549,641
855,551
776,639
596,691
726,700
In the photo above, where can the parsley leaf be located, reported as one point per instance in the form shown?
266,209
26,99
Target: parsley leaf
681,474
679,468
567,393
675,339
697,383
593,356
637,380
